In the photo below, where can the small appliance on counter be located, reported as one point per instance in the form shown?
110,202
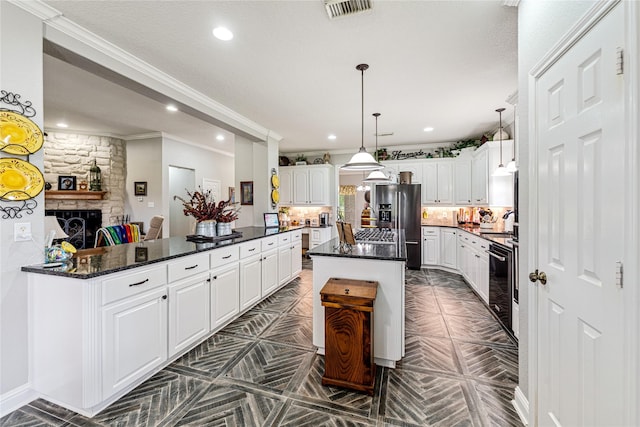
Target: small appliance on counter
508,218
324,219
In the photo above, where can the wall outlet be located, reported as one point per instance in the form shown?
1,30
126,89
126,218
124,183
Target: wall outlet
22,231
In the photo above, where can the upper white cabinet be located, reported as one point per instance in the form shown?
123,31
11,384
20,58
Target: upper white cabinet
479,177
306,185
437,182
394,167
462,180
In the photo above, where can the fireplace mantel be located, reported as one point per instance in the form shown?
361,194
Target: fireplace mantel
73,195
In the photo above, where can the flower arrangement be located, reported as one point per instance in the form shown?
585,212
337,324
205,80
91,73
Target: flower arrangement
202,206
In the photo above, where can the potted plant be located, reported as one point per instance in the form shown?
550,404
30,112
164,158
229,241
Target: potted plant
227,213
301,159
202,207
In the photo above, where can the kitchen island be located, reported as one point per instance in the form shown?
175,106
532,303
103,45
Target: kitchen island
381,262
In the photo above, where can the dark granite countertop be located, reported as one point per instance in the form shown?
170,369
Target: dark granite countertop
365,250
112,259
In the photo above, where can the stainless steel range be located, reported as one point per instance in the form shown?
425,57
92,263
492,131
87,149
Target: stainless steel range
376,235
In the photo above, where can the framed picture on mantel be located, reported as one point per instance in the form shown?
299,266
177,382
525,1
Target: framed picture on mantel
66,182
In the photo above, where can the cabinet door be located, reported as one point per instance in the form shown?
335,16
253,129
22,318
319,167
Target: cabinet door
269,272
188,312
448,248
296,258
479,173
319,186
460,256
463,181
430,245
300,186
414,168
250,281
430,183
284,264
134,340
445,183
225,294
286,186
482,276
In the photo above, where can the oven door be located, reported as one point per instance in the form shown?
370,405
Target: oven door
500,280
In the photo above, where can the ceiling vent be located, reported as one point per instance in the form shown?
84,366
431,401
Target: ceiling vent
337,8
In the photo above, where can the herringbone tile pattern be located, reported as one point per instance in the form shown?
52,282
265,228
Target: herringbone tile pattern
459,369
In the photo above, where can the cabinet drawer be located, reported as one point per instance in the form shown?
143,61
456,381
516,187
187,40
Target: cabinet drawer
284,239
296,235
250,248
268,243
430,231
188,266
135,282
224,256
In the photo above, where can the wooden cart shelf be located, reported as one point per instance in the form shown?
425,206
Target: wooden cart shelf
73,195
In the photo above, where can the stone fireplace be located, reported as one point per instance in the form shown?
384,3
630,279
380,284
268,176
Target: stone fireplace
81,225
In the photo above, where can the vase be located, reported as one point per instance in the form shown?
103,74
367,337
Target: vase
206,228
224,228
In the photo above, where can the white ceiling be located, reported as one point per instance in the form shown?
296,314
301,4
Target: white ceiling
289,68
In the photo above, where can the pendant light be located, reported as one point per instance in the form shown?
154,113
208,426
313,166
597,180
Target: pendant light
377,176
512,166
501,170
362,161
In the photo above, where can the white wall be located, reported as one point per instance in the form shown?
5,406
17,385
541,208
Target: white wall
144,160
540,25
244,172
21,73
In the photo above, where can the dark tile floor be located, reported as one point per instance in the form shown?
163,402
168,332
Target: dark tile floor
460,369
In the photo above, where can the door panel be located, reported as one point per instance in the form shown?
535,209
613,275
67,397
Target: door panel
580,126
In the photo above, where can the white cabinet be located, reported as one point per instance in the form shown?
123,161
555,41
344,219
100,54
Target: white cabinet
431,245
448,248
473,262
318,236
225,294
394,167
306,185
188,312
479,175
286,186
437,182
289,256
284,263
250,281
269,277
134,341
462,180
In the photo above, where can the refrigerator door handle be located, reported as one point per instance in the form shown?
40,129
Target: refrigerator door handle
411,243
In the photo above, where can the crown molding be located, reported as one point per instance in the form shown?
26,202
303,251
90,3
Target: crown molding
165,135
67,131
54,20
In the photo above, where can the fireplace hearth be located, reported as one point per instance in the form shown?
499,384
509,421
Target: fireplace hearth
80,224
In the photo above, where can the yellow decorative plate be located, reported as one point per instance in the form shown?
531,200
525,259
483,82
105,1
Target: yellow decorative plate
19,180
275,181
18,134
275,196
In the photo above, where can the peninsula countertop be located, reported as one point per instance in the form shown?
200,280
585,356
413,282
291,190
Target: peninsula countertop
100,261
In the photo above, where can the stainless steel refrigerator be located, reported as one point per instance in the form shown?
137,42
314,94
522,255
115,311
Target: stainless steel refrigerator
398,206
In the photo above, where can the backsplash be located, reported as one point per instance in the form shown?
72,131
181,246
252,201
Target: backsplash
300,214
71,154
453,215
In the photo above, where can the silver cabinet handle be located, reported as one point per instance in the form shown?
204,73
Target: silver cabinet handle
500,258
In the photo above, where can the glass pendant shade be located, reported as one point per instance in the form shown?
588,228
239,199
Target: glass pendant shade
377,176
511,166
501,171
362,161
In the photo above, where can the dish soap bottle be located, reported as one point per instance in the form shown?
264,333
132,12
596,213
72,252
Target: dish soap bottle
425,214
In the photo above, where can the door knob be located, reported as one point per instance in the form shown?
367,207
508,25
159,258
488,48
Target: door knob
537,276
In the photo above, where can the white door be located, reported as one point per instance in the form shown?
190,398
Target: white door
269,272
579,106
430,183
448,247
286,186
250,281
284,264
296,258
188,312
480,177
301,186
462,185
180,180
318,186
445,183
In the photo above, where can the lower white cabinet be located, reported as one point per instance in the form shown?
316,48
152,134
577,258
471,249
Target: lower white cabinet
188,312
134,339
296,258
224,294
431,245
318,236
285,254
448,248
269,278
250,281
473,262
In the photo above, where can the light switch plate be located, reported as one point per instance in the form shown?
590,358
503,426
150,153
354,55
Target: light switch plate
22,231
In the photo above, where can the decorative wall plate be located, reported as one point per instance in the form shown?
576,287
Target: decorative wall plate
275,181
275,196
18,134
19,180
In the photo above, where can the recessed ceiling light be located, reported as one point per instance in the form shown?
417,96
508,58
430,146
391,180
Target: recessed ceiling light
220,137
172,108
62,125
332,137
429,129
222,33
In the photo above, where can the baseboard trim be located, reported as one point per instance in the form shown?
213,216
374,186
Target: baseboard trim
521,404
16,398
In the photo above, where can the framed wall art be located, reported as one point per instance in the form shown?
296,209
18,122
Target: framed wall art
246,193
66,182
140,188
